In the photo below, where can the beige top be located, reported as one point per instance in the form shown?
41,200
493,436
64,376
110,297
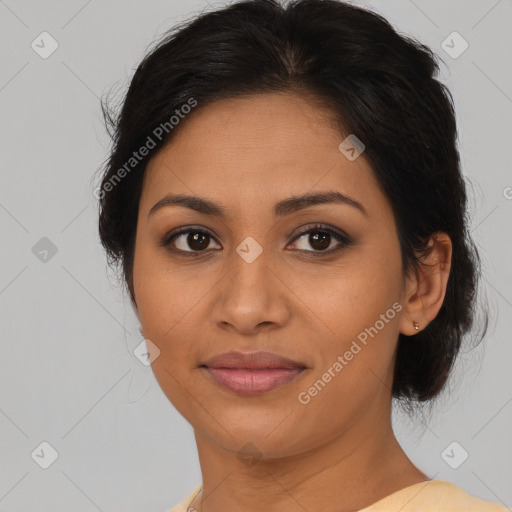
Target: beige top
429,496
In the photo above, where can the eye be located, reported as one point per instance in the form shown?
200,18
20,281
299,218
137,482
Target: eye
322,239
193,241
188,240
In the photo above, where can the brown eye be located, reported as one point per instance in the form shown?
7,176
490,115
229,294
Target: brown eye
189,240
319,240
322,240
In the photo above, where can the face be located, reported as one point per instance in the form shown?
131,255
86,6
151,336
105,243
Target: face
320,284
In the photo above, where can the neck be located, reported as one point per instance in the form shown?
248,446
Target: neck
349,472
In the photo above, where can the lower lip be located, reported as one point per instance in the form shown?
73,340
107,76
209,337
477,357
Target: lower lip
253,382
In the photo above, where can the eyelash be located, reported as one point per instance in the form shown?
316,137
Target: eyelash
345,240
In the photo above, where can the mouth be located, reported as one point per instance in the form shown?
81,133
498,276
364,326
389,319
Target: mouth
253,373
253,382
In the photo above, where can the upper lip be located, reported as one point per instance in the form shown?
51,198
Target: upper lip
253,361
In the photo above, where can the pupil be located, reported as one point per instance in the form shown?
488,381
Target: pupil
194,237
324,240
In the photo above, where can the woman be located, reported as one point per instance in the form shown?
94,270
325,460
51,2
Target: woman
285,197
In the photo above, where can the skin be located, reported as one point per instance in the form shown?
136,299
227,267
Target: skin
337,452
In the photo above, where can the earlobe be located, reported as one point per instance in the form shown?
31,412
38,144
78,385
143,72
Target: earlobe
425,290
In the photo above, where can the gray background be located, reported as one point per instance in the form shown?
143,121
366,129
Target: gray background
68,375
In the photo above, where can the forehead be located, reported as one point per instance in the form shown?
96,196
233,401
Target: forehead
271,126
256,148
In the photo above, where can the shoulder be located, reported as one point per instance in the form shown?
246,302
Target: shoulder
183,505
434,496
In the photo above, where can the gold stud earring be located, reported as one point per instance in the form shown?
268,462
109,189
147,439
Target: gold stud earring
416,325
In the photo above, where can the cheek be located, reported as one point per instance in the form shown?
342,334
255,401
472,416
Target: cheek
360,309
166,304
162,292
170,299
355,294
356,362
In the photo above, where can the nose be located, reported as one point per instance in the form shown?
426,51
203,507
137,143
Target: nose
252,297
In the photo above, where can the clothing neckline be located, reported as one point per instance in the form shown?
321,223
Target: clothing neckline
372,506
404,490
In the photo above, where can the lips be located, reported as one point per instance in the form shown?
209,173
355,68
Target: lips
253,361
252,373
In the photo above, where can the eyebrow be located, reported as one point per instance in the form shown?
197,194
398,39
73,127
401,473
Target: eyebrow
281,209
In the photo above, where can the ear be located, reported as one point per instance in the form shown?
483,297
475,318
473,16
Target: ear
424,291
